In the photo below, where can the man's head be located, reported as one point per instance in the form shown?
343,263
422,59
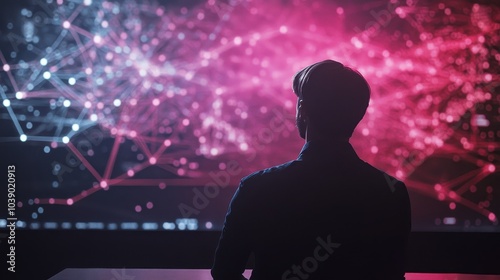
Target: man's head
332,99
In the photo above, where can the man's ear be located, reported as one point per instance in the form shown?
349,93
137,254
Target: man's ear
302,109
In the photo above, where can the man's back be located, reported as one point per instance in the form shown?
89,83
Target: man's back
326,215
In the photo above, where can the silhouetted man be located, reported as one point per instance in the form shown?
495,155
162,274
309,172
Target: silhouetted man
327,214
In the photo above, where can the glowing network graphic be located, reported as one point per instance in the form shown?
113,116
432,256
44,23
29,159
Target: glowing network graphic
177,87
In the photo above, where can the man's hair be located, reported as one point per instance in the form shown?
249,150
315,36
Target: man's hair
335,97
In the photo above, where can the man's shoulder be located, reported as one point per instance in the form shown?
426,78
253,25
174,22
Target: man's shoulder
370,169
269,173
376,176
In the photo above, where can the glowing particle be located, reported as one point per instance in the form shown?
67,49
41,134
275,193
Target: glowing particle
114,130
65,139
452,194
243,146
117,102
208,225
480,120
222,166
66,103
87,2
20,95
491,168
449,221
453,205
46,149
75,127
492,216
340,10
97,39
69,201
237,40
283,29
130,173
138,208
46,75
185,122
152,160
87,104
6,102
374,149
156,102
93,117
356,42
149,205
214,151
66,24
23,137
43,61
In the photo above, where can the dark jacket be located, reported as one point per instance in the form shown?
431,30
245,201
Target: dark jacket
326,215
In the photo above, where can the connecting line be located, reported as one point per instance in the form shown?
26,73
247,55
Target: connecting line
112,158
60,125
84,161
12,114
9,73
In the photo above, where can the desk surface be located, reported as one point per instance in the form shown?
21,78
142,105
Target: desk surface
204,274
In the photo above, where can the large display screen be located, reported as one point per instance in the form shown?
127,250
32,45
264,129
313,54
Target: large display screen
125,115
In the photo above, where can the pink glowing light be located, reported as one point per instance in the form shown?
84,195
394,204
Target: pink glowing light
492,217
152,160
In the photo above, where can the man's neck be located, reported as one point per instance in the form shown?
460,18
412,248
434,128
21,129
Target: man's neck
311,135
